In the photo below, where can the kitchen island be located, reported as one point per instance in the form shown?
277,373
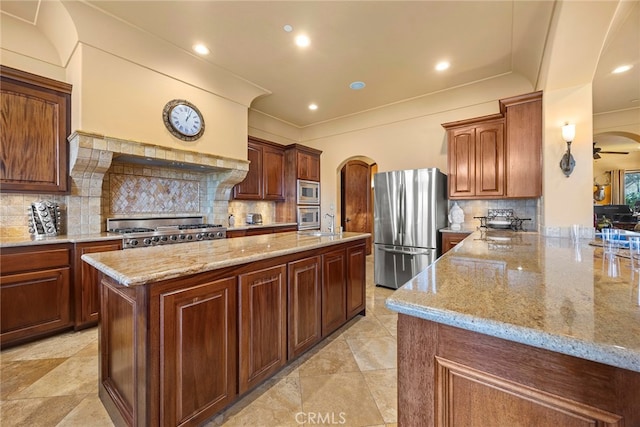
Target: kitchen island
513,328
187,329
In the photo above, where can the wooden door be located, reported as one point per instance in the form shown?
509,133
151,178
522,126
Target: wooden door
33,303
304,305
198,357
87,294
356,205
490,159
263,325
273,177
462,162
334,295
356,280
251,187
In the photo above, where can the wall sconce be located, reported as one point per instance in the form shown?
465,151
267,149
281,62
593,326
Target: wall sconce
568,163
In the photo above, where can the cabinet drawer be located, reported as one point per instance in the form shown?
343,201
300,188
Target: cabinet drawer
14,261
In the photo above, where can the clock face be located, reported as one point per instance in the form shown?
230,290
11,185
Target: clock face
183,120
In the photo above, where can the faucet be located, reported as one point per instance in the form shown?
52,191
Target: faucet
331,224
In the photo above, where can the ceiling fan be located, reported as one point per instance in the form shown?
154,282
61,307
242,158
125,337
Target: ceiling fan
597,151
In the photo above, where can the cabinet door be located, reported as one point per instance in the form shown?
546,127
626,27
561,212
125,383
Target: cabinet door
251,187
308,166
33,151
489,176
449,240
273,177
263,325
334,291
356,280
524,149
304,295
198,351
86,289
34,303
462,162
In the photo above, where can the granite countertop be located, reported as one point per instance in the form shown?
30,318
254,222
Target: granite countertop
536,290
132,267
28,240
463,230
251,226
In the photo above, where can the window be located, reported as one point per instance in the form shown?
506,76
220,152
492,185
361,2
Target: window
631,188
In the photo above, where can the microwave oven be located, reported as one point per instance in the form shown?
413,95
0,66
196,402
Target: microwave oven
308,217
308,192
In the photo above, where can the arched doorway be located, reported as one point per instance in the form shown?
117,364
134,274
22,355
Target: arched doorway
356,196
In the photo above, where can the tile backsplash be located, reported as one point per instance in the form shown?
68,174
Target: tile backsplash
522,208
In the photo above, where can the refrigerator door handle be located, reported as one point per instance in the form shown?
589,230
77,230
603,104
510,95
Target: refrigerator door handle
405,252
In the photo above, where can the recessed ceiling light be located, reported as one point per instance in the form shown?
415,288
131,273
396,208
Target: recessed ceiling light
288,28
201,49
622,69
303,41
313,107
441,66
357,85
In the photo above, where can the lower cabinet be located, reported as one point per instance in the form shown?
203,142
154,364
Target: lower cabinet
86,294
304,304
334,291
450,240
263,324
35,292
356,280
178,351
198,351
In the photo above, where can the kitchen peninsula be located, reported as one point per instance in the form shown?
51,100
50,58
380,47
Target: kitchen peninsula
185,330
520,329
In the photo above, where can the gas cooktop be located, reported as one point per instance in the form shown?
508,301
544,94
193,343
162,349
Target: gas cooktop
144,232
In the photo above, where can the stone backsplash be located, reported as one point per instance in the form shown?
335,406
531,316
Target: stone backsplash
153,180
522,208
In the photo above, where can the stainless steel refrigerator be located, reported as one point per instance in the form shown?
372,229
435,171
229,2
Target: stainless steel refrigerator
410,206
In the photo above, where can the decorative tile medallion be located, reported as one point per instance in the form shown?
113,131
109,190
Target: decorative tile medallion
144,194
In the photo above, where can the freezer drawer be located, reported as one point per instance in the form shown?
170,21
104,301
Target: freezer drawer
396,265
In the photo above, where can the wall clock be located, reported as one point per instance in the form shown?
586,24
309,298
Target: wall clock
183,120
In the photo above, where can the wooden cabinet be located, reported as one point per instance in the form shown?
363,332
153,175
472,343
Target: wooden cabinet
261,230
476,159
198,356
85,282
263,324
465,378
498,156
178,351
523,172
308,165
300,163
304,305
35,292
334,291
265,179
356,280
35,120
449,240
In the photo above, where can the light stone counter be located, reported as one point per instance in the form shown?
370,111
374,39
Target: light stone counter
28,240
266,225
535,290
131,267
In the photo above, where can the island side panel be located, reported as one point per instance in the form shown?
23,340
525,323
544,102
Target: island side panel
122,349
449,376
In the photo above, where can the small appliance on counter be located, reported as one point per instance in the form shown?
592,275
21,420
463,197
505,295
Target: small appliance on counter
44,218
254,218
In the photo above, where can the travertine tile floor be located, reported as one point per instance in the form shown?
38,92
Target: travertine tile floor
349,379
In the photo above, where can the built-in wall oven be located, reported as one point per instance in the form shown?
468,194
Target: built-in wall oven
308,192
308,217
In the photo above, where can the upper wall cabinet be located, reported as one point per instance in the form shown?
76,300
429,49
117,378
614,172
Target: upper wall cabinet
498,156
265,179
35,121
523,115
308,163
